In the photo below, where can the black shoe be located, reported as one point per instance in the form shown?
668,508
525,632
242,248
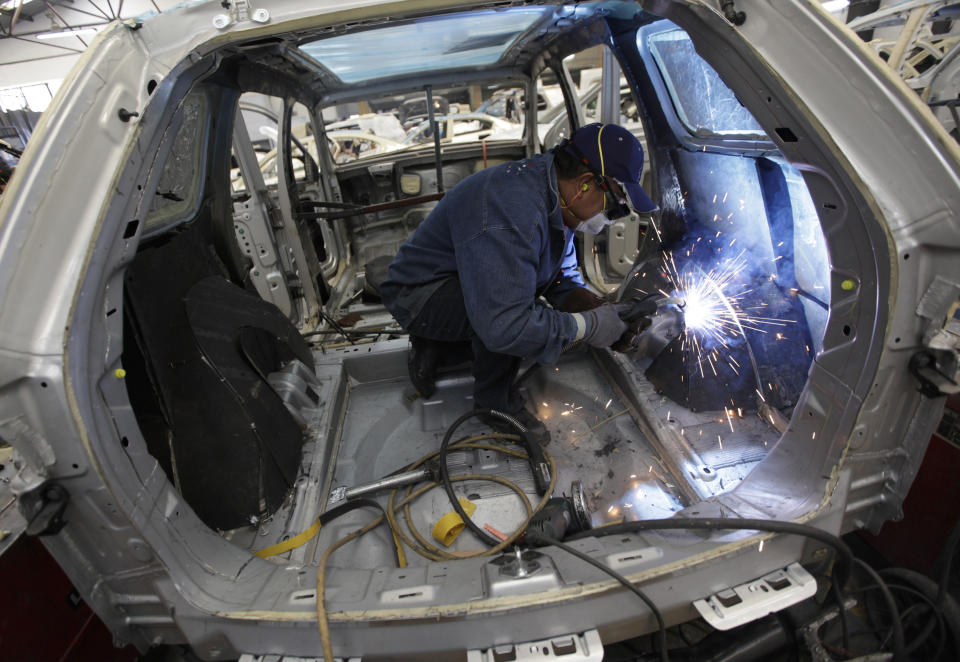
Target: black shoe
536,430
422,362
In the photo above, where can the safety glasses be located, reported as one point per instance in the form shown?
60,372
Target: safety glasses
615,200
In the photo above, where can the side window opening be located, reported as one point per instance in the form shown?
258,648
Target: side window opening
704,104
178,189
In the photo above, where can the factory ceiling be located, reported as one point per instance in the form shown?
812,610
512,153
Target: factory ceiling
33,30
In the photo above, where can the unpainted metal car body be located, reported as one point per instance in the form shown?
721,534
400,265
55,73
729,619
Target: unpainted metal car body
464,127
130,274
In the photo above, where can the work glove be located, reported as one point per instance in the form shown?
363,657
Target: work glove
603,324
581,299
637,314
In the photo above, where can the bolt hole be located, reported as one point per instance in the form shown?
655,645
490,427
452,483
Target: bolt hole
847,330
124,442
75,465
131,229
906,256
151,86
786,134
896,340
43,385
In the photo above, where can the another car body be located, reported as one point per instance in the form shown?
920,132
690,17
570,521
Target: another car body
138,287
464,127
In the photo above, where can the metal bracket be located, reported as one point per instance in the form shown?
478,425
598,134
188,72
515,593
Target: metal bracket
518,563
937,366
584,647
936,370
741,604
240,11
299,388
43,509
731,14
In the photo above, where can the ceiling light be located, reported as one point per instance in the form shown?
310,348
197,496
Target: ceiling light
834,6
72,32
12,4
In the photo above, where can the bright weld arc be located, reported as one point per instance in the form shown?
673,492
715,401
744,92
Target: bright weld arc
714,316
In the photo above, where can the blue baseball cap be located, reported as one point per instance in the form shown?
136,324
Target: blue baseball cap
611,151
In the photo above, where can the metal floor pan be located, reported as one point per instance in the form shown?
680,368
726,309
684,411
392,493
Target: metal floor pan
598,411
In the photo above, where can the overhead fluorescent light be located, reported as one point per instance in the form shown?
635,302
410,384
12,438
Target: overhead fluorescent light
834,6
12,4
72,32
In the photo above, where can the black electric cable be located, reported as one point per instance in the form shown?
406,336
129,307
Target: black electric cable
949,611
445,471
356,332
899,649
662,629
844,555
925,601
353,504
944,562
332,322
921,638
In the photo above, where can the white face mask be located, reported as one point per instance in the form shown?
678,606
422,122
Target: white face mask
593,225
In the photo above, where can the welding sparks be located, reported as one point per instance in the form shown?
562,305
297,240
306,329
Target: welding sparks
657,230
714,311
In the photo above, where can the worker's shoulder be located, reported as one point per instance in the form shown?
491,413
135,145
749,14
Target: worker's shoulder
512,195
523,184
532,171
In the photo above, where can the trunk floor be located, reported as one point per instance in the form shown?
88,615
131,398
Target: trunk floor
593,439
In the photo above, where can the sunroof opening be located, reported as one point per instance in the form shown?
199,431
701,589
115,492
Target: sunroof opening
461,40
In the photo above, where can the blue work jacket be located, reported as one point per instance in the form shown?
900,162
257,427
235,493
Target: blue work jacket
501,233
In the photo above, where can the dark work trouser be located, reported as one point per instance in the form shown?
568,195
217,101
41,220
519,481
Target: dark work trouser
444,317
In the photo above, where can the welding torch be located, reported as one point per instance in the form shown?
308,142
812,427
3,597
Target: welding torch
652,322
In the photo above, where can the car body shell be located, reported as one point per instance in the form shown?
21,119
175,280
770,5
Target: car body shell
885,178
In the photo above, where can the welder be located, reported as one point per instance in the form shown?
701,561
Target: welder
480,266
